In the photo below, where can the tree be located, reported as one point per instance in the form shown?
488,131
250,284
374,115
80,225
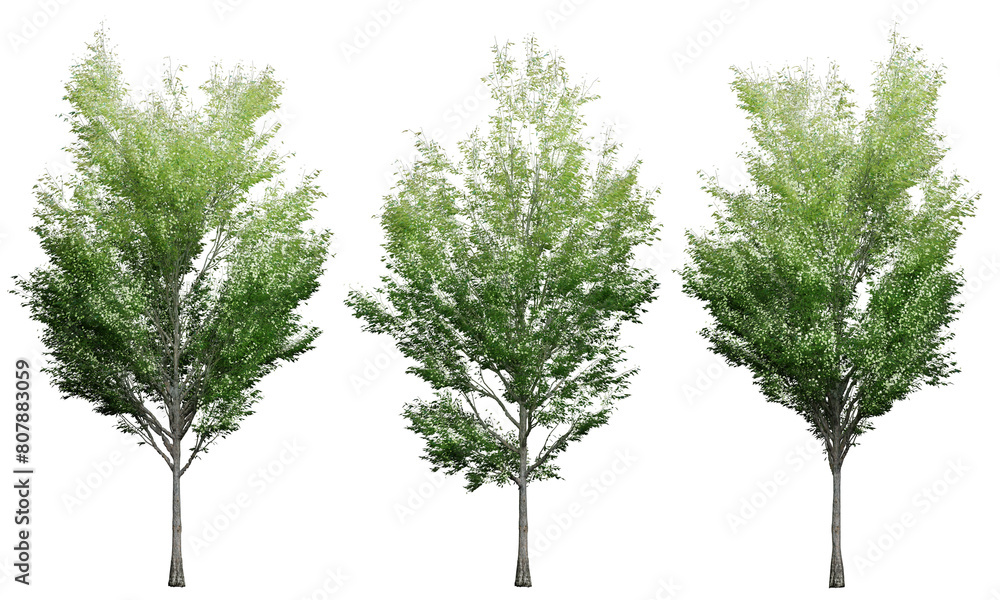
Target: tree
510,276
176,259
830,275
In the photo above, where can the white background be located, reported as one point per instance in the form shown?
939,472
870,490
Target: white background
355,510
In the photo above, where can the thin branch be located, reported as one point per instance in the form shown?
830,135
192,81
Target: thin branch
561,441
144,415
491,394
201,444
485,426
563,382
147,436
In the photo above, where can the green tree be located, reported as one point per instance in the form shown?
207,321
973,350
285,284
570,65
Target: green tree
510,276
176,259
830,275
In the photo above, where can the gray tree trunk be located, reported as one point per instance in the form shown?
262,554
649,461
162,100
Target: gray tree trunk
522,578
836,560
176,578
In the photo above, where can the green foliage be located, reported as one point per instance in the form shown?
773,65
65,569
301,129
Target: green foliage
510,275
830,276
458,442
176,260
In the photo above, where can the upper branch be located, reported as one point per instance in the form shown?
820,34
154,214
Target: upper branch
560,442
486,426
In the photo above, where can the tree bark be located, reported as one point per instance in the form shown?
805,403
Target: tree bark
176,578
522,578
836,560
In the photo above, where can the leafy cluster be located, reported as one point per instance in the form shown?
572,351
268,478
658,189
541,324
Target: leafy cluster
510,274
176,260
830,276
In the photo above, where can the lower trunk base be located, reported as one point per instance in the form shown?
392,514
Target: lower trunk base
522,579
836,558
837,573
176,578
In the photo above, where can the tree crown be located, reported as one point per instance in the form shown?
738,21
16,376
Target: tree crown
830,275
177,260
510,274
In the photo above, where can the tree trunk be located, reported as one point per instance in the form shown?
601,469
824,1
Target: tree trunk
522,578
176,578
836,560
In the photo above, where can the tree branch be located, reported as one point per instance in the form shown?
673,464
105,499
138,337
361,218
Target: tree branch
486,426
200,445
147,437
545,453
488,392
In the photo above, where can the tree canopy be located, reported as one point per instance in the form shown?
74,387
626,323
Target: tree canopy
177,259
830,275
510,273
513,265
